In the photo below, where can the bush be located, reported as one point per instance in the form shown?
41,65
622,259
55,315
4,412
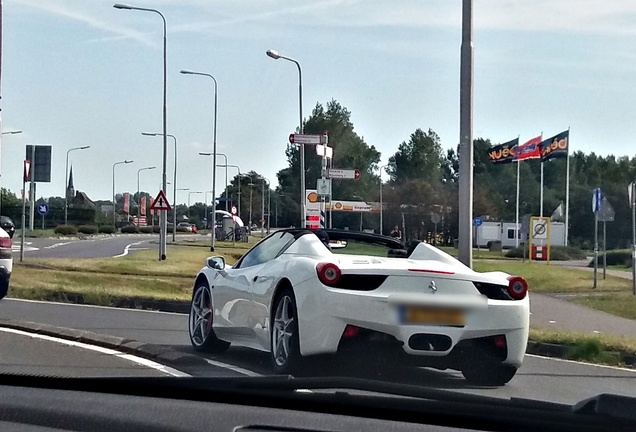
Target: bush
146,230
87,229
66,229
614,257
107,229
516,252
557,253
130,229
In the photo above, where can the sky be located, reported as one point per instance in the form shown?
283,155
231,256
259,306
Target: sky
80,72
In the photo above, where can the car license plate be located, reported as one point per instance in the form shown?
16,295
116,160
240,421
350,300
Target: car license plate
431,316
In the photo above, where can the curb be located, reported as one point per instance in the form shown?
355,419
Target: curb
181,307
159,353
561,351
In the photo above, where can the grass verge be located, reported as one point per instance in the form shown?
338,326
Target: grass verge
556,279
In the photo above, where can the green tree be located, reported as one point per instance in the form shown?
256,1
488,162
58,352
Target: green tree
419,158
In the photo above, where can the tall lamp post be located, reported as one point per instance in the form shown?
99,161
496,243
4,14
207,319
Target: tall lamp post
138,192
163,219
190,194
115,202
275,55
174,183
13,132
66,182
187,72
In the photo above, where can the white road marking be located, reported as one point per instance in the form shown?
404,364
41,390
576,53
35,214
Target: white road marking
237,369
91,306
107,351
127,249
552,322
58,245
582,363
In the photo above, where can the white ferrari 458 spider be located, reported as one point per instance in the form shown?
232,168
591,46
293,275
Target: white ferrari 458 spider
299,293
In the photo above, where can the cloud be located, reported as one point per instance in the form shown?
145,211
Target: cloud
73,10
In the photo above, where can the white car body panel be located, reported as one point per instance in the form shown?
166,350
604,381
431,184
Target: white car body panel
243,299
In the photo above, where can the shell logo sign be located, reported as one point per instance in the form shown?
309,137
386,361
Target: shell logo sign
338,205
312,197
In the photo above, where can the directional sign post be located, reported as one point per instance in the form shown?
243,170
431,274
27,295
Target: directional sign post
344,174
477,222
606,214
43,210
597,203
307,139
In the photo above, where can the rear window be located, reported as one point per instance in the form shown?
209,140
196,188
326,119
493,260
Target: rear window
354,247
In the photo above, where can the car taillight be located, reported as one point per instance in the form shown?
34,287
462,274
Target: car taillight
350,332
517,287
5,243
328,273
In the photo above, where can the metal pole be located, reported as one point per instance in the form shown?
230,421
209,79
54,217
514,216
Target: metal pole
567,191
633,203
269,207
466,139
517,208
604,248
302,149
65,188
250,222
32,192
174,193
541,198
23,215
263,208
595,246
114,202
163,221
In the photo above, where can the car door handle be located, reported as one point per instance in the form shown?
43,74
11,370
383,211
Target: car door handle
255,277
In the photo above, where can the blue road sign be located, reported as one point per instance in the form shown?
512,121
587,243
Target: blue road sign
477,222
597,200
43,209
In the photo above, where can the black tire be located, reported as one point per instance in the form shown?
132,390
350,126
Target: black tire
285,361
489,374
202,336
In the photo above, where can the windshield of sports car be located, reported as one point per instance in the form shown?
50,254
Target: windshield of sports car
256,188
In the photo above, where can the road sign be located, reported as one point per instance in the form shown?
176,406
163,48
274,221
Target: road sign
27,170
606,214
323,187
346,174
477,221
597,200
233,210
540,228
43,209
160,203
436,218
307,139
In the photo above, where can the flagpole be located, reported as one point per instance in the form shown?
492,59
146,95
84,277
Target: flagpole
541,205
517,209
567,190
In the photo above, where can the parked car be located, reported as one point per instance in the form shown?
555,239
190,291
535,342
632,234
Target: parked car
185,226
6,262
7,224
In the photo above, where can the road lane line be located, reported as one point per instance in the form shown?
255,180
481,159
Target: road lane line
44,302
233,368
127,248
582,363
107,351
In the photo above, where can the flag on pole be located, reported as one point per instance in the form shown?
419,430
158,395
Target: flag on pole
529,150
503,153
555,147
126,202
142,205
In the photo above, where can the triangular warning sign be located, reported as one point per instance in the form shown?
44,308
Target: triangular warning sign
160,203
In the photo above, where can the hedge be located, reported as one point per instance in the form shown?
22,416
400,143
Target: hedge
130,229
107,229
145,230
66,229
87,229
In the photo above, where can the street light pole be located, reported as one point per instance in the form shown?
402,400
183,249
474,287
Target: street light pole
239,184
138,192
275,55
174,184
66,182
163,219
187,72
263,204
465,250
115,202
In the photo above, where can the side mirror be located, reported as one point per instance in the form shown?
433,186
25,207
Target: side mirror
216,262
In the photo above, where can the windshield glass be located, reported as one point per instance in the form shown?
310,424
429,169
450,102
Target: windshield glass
159,156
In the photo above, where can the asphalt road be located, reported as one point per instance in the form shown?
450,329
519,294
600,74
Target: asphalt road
539,378
35,354
100,247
